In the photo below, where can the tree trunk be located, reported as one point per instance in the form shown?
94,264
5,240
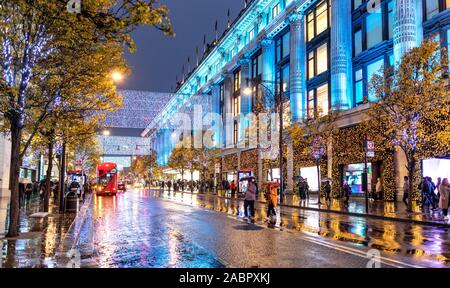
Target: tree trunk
318,179
16,161
49,175
411,172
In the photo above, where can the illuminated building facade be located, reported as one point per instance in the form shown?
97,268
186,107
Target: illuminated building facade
320,53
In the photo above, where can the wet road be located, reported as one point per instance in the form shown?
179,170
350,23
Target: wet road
142,228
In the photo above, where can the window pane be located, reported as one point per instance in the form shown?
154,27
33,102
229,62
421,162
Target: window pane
374,28
358,42
260,65
358,86
310,26
322,18
322,59
357,3
373,69
447,4
322,99
311,65
278,51
311,104
432,8
286,45
391,19
285,76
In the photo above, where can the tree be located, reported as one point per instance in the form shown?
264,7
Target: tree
141,164
413,105
39,41
314,134
181,160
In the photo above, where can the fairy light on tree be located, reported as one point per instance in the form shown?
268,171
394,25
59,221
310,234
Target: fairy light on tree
413,106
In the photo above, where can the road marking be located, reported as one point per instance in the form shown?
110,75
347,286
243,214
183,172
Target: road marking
357,252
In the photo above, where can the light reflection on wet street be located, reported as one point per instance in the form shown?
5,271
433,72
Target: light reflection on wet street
143,228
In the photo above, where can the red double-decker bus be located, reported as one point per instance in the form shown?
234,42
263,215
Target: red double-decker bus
107,179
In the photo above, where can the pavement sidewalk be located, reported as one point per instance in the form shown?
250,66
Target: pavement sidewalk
40,236
394,211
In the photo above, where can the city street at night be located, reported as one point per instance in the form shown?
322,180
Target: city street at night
232,135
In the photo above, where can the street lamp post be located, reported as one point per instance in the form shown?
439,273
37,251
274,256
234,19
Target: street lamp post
248,90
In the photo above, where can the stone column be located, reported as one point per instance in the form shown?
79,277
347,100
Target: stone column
260,170
341,55
268,51
407,23
227,136
297,67
290,168
246,100
215,108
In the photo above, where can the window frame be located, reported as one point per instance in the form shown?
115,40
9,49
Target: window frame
313,11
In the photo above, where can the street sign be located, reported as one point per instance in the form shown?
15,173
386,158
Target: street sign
369,148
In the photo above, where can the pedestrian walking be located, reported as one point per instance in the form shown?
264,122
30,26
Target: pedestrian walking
233,187
327,189
444,201
379,190
302,190
426,192
439,182
307,188
272,199
433,195
346,191
249,202
406,190
28,191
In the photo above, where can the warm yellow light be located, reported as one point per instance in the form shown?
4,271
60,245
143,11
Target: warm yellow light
247,91
117,76
106,133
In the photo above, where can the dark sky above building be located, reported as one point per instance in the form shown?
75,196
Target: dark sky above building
159,59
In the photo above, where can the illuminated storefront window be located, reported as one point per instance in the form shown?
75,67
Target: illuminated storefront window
353,176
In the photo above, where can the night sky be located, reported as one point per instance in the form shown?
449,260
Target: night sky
158,59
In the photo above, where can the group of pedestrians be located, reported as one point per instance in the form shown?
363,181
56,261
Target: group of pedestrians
271,195
182,185
433,196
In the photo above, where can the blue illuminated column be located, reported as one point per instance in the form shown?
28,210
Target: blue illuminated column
268,75
246,100
407,26
228,86
341,55
215,108
297,67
